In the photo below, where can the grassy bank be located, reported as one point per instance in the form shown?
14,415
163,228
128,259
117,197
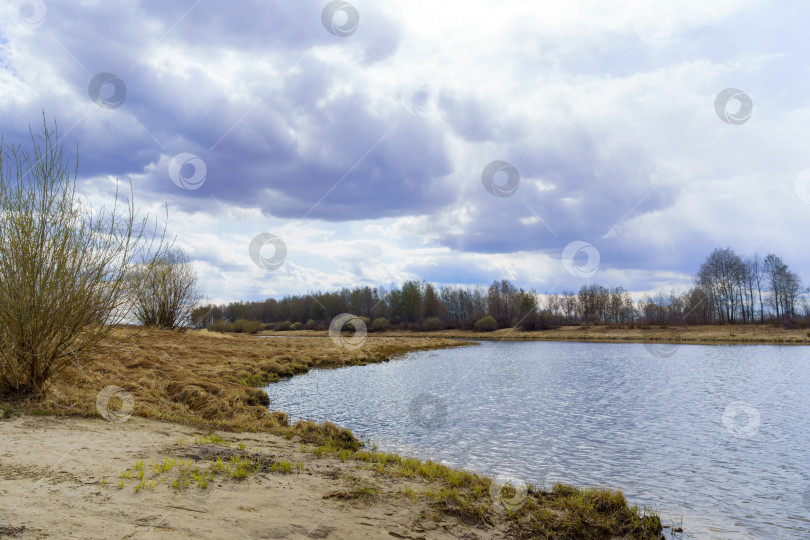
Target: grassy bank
208,381
720,334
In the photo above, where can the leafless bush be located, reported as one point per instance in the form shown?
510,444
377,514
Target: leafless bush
65,269
168,291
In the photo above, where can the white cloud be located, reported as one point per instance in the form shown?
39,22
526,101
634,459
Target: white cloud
616,139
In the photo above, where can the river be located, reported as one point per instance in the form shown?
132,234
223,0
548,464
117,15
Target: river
713,437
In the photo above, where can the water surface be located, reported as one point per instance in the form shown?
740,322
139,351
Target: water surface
614,415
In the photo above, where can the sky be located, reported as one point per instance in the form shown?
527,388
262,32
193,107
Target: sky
311,145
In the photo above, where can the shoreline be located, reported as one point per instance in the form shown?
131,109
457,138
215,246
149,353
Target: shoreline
69,487
204,384
686,335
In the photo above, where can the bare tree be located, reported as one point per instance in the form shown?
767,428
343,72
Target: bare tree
719,276
65,269
168,291
755,268
773,267
783,284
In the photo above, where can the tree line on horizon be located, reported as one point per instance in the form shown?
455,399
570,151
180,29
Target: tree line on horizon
727,289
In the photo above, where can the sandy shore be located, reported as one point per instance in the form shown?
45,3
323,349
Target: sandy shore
67,473
59,479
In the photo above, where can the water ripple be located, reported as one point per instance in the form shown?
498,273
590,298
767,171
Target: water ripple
597,414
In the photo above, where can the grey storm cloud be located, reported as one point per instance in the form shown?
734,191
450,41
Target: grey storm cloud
586,192
279,149
603,128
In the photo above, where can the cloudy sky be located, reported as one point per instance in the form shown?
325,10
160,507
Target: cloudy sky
550,143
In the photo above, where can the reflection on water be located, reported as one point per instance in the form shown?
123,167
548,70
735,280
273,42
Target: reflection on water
716,434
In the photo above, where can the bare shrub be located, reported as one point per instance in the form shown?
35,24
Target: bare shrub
380,324
432,324
543,320
65,269
247,327
220,325
486,324
168,292
282,326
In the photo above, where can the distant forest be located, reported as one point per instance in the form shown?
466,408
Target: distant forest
727,289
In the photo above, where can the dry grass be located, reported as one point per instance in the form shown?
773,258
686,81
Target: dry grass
560,512
718,334
209,380
589,513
